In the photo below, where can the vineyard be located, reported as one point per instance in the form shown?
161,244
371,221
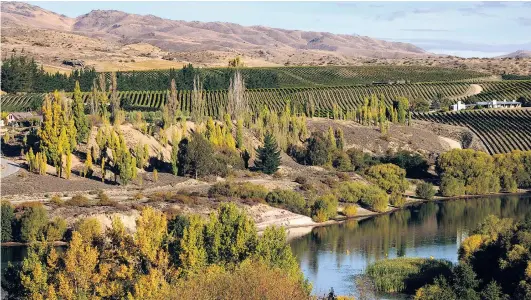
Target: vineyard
323,99
500,130
280,77
509,90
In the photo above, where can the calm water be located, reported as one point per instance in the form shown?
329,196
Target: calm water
332,256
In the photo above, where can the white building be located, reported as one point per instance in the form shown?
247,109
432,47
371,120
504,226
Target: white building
487,104
458,106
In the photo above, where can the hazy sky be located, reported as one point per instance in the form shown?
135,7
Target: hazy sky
460,28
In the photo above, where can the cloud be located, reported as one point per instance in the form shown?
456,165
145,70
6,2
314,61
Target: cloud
524,21
393,16
425,30
463,46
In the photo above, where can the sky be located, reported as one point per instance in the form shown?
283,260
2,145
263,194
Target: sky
468,29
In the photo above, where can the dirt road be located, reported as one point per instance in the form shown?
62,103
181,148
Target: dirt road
7,168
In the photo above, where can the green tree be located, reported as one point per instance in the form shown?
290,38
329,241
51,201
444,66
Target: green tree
78,113
318,150
230,236
268,156
33,224
389,177
8,216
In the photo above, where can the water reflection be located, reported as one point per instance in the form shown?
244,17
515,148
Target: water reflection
330,256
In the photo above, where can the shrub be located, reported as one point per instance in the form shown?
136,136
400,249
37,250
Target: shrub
351,192
33,224
90,229
350,210
406,274
287,199
375,199
425,190
397,200
57,200
324,208
104,200
391,178
241,190
341,161
414,164
78,200
8,216
451,187
301,180
56,229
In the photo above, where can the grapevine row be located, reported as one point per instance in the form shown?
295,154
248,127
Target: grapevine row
500,130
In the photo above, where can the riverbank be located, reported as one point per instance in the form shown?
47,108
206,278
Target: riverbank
300,230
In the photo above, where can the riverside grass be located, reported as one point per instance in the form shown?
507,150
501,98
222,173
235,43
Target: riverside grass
405,275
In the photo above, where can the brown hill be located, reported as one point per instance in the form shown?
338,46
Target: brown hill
181,36
518,54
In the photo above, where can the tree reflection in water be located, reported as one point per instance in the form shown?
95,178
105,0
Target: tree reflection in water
331,255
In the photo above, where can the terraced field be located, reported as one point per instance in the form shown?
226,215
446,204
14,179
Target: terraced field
323,99
500,130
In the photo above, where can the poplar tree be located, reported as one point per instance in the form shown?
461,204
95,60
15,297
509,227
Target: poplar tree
332,139
268,156
78,113
239,134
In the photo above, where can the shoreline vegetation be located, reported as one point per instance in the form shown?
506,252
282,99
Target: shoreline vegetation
292,232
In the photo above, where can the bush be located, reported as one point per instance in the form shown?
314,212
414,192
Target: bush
8,217
57,200
246,281
289,200
451,187
391,178
78,200
350,210
241,190
90,229
425,190
375,199
414,164
33,224
324,208
360,160
56,229
397,200
301,180
405,275
351,192
341,161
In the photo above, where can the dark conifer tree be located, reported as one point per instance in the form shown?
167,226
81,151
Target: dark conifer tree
268,156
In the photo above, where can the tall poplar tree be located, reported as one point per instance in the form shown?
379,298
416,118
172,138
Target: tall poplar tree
78,113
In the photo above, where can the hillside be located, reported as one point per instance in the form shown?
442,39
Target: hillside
118,41
518,54
220,40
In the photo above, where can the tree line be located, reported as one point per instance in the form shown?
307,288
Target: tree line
22,74
166,256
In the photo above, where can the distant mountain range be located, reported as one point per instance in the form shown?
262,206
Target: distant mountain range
518,54
181,36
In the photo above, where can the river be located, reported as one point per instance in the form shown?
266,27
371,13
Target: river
334,256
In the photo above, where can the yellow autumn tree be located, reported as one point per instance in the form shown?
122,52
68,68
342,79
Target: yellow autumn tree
80,261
